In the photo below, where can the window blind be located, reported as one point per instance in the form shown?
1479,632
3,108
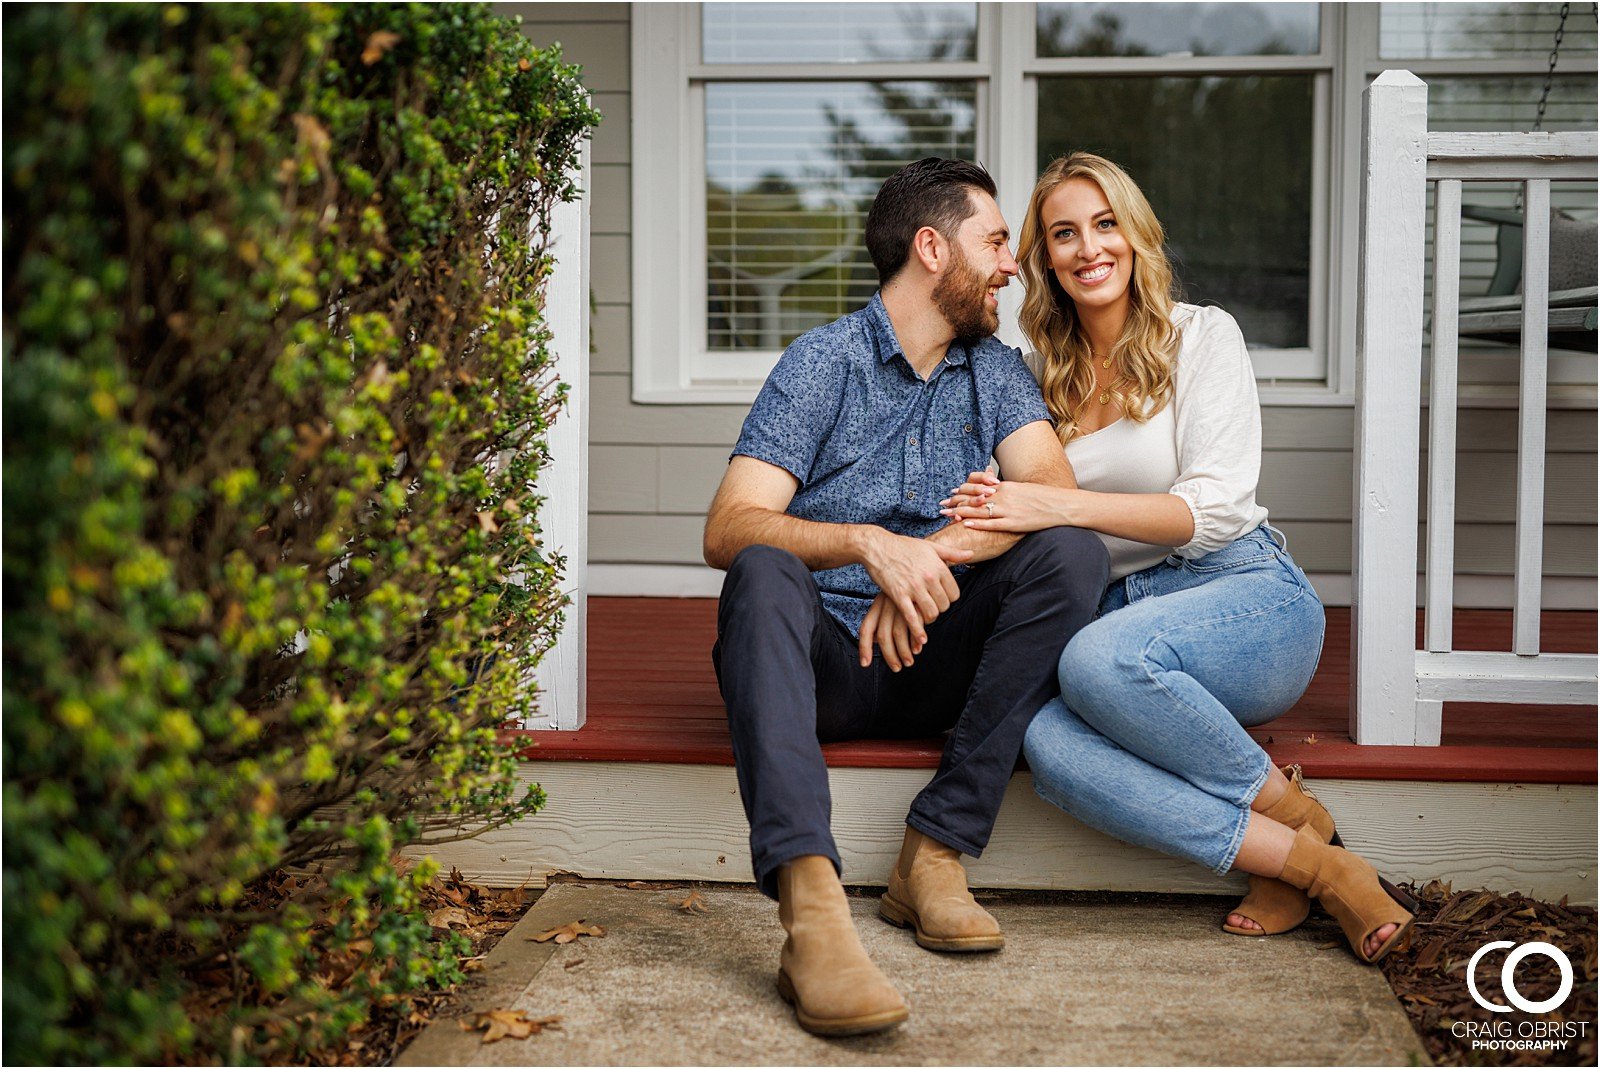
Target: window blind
1464,31
791,169
838,33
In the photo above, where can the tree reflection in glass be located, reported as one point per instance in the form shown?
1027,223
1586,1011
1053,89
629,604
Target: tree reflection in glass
792,167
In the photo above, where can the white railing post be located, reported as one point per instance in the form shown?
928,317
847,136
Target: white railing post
1532,394
564,485
1383,696
1439,596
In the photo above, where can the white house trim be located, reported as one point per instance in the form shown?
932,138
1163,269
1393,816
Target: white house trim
561,675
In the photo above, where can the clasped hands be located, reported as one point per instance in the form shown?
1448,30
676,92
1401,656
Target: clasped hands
914,573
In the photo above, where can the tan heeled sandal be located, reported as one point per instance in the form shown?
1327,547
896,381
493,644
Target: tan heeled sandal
1271,903
1351,891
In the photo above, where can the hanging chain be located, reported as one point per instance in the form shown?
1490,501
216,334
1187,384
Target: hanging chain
1550,75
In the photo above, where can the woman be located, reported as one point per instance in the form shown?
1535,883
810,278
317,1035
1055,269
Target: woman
1208,626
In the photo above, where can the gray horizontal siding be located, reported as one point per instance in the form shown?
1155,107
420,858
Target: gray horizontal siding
654,468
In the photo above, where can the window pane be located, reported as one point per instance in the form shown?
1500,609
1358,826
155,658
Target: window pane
838,33
1071,29
1483,104
1445,31
1226,163
791,169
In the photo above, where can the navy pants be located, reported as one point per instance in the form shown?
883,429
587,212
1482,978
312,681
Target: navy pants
792,679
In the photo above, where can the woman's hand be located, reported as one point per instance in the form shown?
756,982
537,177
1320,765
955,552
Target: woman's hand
986,502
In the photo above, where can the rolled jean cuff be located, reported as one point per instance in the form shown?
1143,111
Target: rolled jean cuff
767,865
943,835
1242,825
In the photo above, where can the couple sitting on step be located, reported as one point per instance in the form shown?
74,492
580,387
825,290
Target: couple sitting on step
1110,602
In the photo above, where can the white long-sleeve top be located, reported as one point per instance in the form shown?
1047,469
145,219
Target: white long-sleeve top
1204,447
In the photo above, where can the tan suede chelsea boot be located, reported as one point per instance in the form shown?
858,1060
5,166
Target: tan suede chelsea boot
823,972
928,894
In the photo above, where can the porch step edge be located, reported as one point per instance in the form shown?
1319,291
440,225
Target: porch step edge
625,820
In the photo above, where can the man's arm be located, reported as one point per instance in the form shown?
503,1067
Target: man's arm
1030,454
749,511
913,573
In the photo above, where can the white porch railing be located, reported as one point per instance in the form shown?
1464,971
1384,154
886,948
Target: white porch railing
1398,690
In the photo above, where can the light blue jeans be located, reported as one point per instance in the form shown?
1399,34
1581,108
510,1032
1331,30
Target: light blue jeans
1147,741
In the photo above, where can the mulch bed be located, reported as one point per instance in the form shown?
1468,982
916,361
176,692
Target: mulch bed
1431,977
483,915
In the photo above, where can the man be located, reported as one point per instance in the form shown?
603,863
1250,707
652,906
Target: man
828,524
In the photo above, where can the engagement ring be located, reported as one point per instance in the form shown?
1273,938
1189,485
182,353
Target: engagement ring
990,506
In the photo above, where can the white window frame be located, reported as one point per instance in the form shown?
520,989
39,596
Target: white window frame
671,360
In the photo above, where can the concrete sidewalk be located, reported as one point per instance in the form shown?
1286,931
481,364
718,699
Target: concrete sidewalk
1117,980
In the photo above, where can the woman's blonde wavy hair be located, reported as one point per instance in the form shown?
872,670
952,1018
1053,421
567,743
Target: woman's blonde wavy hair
1149,341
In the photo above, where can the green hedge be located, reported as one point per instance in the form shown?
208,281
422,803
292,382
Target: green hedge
277,385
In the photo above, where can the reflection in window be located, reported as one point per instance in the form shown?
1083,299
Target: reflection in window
1226,163
1074,29
1445,31
1485,104
838,33
791,169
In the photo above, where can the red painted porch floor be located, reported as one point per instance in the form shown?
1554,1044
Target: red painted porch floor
652,697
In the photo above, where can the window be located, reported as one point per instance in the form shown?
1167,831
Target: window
1485,65
1224,147
762,131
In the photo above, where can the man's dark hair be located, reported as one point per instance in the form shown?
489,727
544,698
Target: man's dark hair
931,192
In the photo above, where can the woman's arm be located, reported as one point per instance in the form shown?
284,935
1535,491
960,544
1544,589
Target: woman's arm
986,503
1217,421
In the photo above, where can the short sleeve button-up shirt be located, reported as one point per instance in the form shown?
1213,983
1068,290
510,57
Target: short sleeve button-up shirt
870,441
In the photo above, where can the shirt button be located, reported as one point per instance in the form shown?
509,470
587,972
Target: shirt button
911,495
913,441
967,427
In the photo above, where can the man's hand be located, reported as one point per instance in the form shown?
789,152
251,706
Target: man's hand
914,575
887,629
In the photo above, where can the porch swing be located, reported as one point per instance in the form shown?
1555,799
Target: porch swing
1572,308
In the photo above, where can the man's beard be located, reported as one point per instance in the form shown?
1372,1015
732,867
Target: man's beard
959,296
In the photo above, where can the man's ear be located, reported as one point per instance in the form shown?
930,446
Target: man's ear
930,249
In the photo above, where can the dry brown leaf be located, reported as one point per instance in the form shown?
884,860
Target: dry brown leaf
315,135
450,916
1311,740
637,885
513,1024
487,522
1330,945
574,963
695,903
377,44
569,932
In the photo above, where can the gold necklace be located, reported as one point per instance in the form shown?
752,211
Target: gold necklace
1105,391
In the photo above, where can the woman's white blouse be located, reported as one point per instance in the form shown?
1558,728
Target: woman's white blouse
1204,447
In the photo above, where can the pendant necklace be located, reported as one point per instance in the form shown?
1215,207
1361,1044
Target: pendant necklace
1105,394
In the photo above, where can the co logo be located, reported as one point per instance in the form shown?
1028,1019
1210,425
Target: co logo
1508,977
